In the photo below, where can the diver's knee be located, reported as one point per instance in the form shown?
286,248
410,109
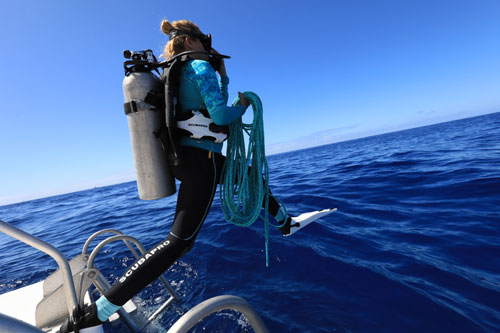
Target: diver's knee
180,246
188,248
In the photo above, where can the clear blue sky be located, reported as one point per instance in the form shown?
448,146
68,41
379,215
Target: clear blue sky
325,70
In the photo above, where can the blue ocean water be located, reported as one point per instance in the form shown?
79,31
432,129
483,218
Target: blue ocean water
414,246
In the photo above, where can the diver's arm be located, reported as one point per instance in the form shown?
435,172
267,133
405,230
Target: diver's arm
212,93
224,82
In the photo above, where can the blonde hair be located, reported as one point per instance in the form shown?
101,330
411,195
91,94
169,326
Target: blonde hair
176,45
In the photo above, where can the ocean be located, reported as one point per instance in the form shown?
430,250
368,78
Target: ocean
413,247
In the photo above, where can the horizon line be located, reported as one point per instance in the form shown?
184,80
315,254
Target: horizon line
17,200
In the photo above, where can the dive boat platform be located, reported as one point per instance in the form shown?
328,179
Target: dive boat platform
43,306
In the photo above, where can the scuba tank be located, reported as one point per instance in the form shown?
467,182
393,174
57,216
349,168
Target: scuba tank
144,106
150,106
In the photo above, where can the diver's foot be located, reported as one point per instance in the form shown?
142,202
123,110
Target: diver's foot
87,318
288,225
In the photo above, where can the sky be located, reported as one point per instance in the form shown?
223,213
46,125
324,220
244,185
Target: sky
326,71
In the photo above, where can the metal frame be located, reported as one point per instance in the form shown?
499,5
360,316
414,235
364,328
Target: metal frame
218,303
127,240
105,231
182,325
62,262
102,284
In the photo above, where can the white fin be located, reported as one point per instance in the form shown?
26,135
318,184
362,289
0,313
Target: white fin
306,218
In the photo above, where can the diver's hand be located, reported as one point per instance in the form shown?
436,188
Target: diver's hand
243,100
222,67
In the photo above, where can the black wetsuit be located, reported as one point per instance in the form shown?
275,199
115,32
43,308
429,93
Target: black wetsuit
199,175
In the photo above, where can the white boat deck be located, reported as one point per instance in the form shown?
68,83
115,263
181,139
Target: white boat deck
21,304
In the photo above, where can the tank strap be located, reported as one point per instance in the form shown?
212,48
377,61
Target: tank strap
157,99
136,106
130,107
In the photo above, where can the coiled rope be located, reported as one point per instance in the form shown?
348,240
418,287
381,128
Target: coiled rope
245,177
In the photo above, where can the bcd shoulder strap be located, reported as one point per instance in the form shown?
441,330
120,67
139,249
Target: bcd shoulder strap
171,78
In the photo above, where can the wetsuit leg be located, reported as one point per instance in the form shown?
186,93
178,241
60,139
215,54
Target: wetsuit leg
199,175
199,178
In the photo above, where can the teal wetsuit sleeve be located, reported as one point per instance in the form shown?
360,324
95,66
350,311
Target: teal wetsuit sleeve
224,82
214,95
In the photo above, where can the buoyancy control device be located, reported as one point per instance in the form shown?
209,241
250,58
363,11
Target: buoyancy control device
198,125
150,106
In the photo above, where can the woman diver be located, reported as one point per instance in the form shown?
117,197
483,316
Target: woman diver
200,89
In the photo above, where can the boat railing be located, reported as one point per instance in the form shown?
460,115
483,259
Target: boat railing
62,262
215,304
127,240
102,284
182,325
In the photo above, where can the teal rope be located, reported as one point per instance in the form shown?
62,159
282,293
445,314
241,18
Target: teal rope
242,189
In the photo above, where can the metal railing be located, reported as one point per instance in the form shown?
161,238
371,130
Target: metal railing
182,325
102,284
69,287
206,308
128,240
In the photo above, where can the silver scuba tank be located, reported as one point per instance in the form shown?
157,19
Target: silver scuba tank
155,179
